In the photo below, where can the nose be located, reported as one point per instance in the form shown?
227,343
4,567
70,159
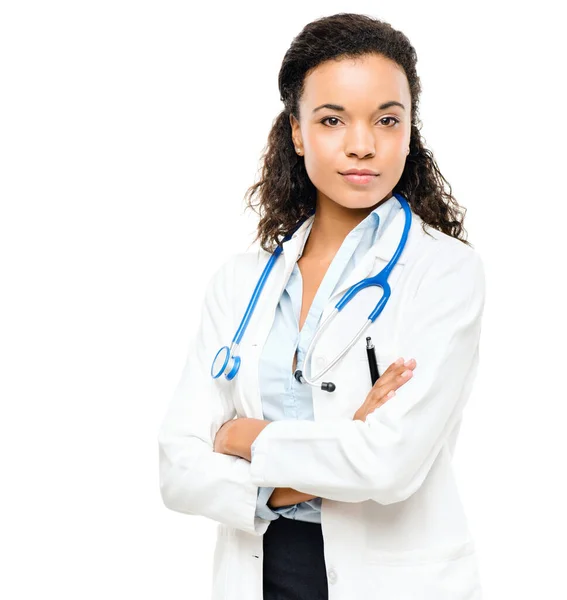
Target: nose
359,141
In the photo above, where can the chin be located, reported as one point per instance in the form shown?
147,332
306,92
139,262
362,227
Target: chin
361,199
362,202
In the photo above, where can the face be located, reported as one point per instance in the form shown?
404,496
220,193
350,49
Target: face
361,131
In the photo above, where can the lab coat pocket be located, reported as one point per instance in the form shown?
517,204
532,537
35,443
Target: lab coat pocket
364,369
446,573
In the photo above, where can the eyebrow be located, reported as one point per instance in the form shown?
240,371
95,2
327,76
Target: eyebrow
342,108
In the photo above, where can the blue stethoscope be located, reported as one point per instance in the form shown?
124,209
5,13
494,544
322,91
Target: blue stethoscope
228,363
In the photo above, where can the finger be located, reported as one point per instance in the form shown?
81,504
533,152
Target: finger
380,391
396,381
397,368
398,373
395,365
396,377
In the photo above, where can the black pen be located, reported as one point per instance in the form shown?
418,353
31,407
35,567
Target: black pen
374,375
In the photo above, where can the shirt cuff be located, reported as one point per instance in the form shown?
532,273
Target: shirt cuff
262,509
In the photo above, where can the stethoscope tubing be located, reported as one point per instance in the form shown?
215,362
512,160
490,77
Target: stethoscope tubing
380,280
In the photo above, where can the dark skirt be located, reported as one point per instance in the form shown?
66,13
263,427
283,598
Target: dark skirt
294,562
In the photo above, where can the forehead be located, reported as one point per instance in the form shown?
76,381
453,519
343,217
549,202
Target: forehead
359,81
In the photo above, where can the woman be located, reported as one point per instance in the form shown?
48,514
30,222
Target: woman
348,493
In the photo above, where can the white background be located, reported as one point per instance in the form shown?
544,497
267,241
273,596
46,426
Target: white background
130,132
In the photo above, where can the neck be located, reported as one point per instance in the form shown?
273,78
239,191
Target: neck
331,224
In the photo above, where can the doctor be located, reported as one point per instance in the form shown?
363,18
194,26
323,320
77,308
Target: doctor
347,493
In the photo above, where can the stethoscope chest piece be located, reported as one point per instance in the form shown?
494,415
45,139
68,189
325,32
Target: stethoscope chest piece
221,362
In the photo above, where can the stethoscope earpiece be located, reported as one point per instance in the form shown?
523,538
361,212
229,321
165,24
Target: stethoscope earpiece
326,386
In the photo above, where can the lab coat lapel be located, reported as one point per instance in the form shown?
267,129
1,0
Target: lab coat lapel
280,276
248,377
375,260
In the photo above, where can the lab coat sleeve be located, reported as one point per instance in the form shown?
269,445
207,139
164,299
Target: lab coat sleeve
387,457
194,479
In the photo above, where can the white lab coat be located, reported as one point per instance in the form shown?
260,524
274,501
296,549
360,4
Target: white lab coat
393,524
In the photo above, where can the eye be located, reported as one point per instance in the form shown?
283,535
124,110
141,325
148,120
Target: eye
390,119
396,121
327,118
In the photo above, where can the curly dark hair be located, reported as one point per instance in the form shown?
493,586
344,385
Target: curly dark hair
286,195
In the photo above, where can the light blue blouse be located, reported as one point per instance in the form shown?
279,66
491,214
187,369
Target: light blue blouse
283,397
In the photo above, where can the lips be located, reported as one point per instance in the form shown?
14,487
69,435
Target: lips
359,172
359,179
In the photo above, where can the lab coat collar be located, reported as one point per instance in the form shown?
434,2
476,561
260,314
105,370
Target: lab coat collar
383,248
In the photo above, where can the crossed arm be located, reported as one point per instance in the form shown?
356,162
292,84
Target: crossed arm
235,438
385,461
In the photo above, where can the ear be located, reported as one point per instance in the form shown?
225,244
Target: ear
295,132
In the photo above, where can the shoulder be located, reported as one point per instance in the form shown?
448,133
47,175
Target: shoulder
243,264
230,286
236,271
436,248
446,263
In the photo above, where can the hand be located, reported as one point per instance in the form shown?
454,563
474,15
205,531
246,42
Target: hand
385,387
221,438
235,437
246,430
287,497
